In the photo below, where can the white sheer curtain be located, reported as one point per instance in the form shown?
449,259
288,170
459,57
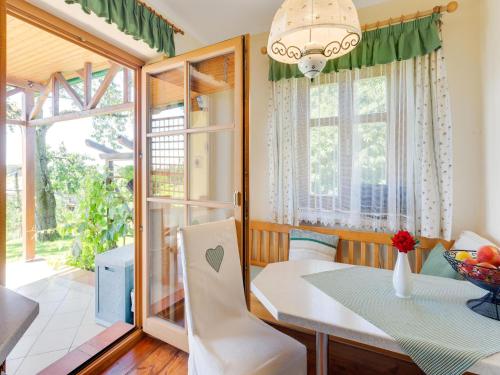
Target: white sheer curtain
364,149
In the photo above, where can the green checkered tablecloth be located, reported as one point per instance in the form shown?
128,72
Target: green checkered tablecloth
434,327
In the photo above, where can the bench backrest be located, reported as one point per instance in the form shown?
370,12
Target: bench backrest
269,242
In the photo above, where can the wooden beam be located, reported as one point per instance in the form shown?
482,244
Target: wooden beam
125,142
3,143
126,94
114,68
14,91
55,97
99,147
67,87
29,229
37,108
25,84
117,156
87,83
83,114
11,121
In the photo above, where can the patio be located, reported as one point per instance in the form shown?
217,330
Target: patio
66,318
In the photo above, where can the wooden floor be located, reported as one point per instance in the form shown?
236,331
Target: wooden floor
151,356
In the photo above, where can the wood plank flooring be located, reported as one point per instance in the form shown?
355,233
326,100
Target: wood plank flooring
151,356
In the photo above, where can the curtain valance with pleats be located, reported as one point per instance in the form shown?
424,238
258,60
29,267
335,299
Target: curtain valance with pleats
397,42
134,19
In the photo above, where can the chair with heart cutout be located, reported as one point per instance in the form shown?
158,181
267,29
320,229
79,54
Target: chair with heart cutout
224,337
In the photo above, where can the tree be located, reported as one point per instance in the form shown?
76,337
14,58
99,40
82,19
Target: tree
67,170
45,212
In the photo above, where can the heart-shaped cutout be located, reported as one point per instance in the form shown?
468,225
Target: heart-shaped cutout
214,257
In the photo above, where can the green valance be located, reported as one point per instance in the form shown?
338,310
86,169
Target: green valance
397,42
133,18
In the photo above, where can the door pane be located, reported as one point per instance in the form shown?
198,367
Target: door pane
166,98
211,166
166,295
212,91
202,215
167,166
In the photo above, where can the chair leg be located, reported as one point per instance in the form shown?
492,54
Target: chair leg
321,353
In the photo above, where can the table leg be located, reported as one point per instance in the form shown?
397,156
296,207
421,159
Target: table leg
321,353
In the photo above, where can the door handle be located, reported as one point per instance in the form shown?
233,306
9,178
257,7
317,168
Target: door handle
236,198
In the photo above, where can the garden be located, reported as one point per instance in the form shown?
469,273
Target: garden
84,200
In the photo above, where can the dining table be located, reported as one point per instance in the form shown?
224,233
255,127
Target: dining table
16,315
290,299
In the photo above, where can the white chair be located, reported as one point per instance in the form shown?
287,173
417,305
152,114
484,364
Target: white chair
224,337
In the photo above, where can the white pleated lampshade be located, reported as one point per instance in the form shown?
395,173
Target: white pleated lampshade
331,25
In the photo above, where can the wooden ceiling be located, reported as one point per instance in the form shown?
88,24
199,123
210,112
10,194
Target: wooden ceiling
34,54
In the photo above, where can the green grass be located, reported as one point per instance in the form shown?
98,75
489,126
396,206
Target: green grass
55,252
46,249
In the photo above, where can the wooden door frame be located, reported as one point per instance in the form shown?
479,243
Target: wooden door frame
239,46
3,134
54,25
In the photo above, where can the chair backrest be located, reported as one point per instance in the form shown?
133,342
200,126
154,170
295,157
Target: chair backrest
213,282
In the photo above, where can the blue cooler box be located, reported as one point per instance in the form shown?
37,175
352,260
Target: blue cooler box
114,281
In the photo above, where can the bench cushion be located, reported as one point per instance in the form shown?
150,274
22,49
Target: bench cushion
437,265
305,244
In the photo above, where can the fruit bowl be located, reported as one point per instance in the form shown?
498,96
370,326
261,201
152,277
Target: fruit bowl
484,277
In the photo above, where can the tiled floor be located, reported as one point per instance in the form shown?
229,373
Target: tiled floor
65,321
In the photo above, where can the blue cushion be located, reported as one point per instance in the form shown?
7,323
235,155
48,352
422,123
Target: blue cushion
437,265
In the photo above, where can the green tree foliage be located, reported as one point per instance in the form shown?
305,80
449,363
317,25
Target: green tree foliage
103,217
67,170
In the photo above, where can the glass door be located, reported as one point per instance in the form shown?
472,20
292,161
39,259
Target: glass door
193,168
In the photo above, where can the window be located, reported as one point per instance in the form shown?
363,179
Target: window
348,125
367,149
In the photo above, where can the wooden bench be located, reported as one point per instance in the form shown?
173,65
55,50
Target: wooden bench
269,242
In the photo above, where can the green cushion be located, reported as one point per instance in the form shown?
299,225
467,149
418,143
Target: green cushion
437,265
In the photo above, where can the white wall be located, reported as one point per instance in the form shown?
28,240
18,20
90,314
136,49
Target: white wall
461,33
491,113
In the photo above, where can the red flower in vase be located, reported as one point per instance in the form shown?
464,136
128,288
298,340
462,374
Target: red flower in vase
404,241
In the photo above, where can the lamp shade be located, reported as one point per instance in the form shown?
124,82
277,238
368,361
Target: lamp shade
302,27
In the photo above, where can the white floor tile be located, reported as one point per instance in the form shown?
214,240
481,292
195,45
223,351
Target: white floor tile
38,325
33,290
50,341
89,317
65,320
76,294
23,347
71,305
85,333
52,294
33,364
13,365
48,308
83,288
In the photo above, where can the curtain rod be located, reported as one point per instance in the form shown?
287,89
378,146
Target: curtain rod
176,29
449,8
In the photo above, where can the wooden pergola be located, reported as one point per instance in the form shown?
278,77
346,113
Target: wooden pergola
39,66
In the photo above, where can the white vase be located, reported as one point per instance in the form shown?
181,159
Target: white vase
401,279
